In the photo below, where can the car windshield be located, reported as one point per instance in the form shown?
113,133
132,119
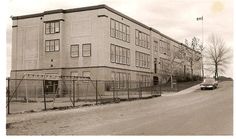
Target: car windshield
209,81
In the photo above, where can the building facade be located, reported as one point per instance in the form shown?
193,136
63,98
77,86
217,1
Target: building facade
97,42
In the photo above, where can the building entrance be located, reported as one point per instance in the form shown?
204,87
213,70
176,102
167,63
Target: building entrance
155,80
51,86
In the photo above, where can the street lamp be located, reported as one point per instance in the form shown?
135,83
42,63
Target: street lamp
201,18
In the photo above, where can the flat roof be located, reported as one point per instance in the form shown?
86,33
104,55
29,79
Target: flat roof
102,6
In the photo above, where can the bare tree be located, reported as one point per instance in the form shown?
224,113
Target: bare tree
218,55
190,54
176,54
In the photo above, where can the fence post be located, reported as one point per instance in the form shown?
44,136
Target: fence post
44,96
128,88
8,96
160,88
26,90
73,93
140,93
96,92
113,82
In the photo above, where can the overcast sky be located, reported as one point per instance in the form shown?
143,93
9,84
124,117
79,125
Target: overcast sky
175,18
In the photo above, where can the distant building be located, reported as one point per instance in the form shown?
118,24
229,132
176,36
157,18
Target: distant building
97,42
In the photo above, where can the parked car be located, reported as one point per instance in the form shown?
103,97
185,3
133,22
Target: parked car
209,83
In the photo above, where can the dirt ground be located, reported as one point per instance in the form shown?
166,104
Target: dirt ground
208,112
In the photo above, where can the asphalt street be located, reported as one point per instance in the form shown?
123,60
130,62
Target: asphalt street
198,112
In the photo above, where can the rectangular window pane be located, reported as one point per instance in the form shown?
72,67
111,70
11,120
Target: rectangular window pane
145,40
74,50
136,37
52,27
86,49
57,45
51,46
148,41
113,33
113,58
117,29
112,76
128,57
57,27
123,56
47,46
120,53
137,59
47,28
124,32
117,55
128,33
120,30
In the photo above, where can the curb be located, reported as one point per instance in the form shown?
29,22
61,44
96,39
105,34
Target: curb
182,92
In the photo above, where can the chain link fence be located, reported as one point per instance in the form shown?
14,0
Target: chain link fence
29,95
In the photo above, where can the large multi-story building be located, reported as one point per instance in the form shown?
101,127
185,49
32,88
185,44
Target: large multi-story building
98,42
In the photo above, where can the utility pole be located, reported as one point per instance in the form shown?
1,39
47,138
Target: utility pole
201,18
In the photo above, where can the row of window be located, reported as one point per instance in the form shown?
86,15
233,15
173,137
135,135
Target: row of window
119,55
142,39
52,27
145,80
120,31
164,48
164,64
142,60
177,52
52,45
121,79
86,50
84,74
155,46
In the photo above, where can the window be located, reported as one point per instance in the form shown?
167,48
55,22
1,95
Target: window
74,50
52,27
155,65
113,55
119,30
121,79
119,55
52,45
113,28
144,80
56,42
86,50
164,48
142,60
128,57
155,46
164,64
124,32
142,39
137,58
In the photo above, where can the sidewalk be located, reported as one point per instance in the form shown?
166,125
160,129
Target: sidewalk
185,91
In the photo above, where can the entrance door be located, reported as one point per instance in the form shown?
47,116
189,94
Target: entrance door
155,80
51,86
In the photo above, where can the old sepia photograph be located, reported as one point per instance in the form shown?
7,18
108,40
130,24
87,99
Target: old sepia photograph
119,68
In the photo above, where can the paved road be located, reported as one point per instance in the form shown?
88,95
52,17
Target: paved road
208,112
